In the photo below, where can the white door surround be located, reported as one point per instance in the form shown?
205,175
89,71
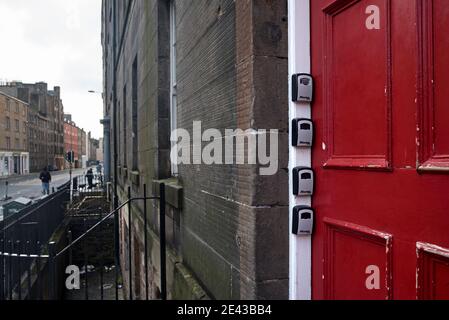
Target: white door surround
299,59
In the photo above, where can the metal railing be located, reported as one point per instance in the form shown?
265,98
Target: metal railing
86,184
42,277
23,238
115,214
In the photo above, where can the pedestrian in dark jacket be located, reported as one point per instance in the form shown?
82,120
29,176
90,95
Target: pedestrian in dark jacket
45,178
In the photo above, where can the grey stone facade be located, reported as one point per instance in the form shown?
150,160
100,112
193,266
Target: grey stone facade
227,226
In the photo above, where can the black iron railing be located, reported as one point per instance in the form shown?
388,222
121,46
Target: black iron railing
23,238
81,240
45,263
88,183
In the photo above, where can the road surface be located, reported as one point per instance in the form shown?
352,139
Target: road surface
31,187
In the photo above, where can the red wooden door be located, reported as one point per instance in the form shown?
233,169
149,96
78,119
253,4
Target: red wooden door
381,154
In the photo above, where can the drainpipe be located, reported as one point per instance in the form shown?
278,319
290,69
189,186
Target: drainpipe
106,122
114,90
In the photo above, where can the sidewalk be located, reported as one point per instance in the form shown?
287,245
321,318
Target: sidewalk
18,177
14,178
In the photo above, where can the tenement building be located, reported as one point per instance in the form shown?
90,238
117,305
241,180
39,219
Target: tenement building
75,143
14,154
71,142
56,129
45,123
82,148
194,66
94,145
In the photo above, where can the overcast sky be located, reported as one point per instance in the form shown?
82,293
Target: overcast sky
58,42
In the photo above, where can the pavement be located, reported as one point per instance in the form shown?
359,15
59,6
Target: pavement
94,287
29,186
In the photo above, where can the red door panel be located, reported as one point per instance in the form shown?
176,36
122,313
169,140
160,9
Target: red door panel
434,116
356,87
433,272
351,247
382,148
440,21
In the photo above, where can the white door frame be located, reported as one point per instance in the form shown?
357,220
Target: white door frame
299,61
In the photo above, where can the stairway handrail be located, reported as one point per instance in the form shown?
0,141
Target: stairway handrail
85,234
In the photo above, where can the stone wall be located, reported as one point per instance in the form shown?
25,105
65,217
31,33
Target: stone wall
227,226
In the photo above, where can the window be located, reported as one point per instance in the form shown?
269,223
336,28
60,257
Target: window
135,135
17,125
8,105
8,143
173,83
17,141
17,107
8,123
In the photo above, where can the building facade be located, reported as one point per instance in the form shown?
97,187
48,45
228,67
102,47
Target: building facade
94,145
14,152
100,150
74,141
169,65
82,148
56,130
71,142
45,123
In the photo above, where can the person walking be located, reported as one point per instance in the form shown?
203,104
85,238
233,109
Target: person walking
45,177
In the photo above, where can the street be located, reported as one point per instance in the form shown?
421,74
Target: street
30,186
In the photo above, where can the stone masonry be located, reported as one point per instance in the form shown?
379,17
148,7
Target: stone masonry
227,226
